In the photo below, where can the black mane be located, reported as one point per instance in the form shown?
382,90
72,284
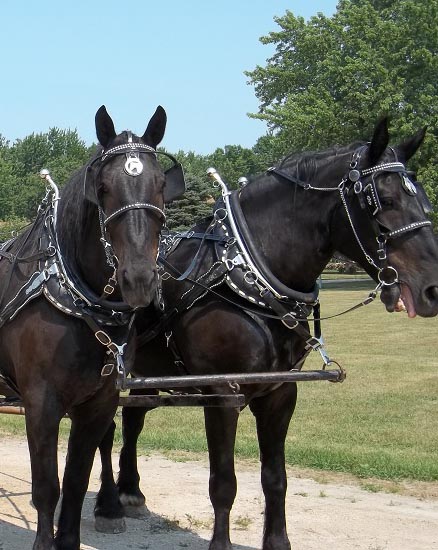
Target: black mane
75,212
307,164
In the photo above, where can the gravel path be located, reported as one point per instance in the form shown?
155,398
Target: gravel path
336,514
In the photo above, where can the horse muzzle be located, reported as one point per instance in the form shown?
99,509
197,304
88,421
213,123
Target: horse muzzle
138,284
415,301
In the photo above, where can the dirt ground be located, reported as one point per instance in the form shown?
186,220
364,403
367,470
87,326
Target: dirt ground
324,512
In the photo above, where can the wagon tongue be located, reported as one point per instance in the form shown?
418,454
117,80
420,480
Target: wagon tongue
407,300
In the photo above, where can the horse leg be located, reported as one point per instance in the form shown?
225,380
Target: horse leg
221,425
90,422
42,426
273,413
128,482
108,510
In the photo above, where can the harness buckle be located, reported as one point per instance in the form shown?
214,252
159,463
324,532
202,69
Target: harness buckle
317,344
381,250
108,289
381,253
103,338
232,263
107,369
287,318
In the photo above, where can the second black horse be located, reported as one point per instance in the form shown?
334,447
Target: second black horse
358,200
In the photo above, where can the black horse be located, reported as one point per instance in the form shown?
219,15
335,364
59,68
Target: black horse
358,200
70,285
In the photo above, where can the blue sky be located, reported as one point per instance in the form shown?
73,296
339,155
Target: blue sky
62,60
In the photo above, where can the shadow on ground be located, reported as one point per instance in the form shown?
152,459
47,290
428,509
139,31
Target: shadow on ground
150,532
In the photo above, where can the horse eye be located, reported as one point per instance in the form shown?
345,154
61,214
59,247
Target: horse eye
387,203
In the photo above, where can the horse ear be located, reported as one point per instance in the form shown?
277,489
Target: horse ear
104,127
409,147
379,142
157,125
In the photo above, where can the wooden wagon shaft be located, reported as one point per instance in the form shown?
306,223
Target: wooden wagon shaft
225,379
189,400
11,409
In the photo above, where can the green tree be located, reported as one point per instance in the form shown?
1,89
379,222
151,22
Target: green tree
331,78
7,187
60,151
232,162
197,203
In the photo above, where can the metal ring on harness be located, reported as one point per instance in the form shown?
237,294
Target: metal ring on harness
342,374
387,270
250,277
219,218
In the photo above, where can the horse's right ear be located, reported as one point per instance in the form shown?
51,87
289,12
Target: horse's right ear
409,147
157,125
379,142
104,127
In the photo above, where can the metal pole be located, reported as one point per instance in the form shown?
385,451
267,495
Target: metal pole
226,379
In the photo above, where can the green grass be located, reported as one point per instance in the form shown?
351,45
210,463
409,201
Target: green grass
382,421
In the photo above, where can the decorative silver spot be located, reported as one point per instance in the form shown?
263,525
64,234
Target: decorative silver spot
408,186
133,165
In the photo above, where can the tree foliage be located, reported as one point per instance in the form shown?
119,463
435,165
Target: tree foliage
21,188
328,82
331,78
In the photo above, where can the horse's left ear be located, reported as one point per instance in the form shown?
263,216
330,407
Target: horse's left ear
379,142
156,127
410,146
104,127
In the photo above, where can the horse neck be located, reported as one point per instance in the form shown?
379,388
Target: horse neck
291,226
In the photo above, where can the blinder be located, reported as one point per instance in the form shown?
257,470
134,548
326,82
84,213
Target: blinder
415,188
175,185
369,196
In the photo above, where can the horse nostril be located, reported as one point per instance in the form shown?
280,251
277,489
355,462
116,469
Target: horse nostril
432,293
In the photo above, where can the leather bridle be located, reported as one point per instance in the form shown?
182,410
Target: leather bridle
358,180
133,167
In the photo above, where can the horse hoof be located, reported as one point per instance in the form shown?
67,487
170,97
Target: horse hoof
136,512
111,526
132,500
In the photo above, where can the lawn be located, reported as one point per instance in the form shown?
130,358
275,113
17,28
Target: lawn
382,421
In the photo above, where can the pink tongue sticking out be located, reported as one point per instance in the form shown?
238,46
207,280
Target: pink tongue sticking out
408,301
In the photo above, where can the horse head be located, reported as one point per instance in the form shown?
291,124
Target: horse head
129,187
390,223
